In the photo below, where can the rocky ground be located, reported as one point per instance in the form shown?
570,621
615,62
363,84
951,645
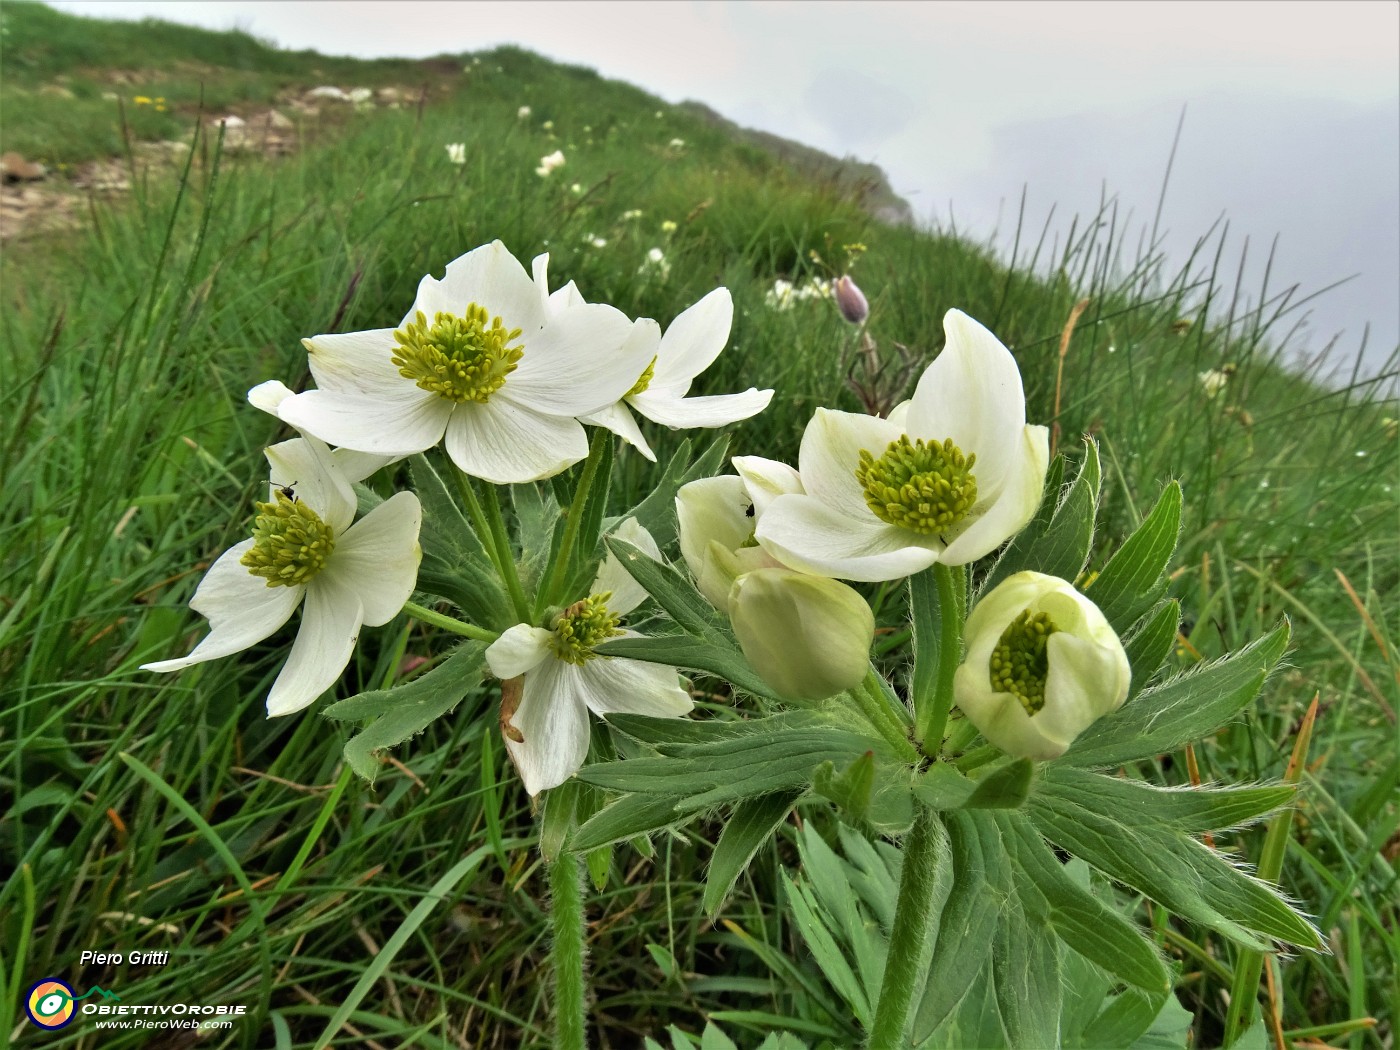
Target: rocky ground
35,200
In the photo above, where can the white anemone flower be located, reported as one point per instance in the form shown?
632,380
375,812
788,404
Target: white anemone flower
1042,665
356,466
948,478
305,551
690,345
457,152
547,732
479,364
549,163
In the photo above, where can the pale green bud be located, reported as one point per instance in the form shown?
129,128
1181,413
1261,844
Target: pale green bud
716,519
1042,665
807,636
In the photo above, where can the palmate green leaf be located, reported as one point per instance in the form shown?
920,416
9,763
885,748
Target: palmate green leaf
1175,870
980,887
875,794
832,881
713,654
538,528
752,823
708,775
826,953
1063,548
650,729
1080,919
407,710
1139,1022
1150,643
1181,710
1133,579
1192,810
1005,786
454,563
975,1022
1026,976
672,591
626,818
657,513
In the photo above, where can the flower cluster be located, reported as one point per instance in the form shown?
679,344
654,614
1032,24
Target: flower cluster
784,295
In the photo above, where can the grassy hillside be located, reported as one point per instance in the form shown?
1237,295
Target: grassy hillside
130,459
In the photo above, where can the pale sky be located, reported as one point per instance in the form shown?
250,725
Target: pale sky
1292,109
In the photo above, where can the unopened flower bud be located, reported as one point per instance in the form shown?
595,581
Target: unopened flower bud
851,301
1042,665
808,637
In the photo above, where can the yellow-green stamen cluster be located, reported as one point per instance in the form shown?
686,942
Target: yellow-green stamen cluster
1020,662
290,543
463,358
926,488
648,374
582,626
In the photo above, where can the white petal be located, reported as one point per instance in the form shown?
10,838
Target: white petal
899,415
307,467
539,270
241,609
692,342
766,480
972,393
830,455
1021,491
627,593
354,362
802,532
552,719
389,423
520,649
506,444
491,277
267,396
330,625
616,418
718,410
565,298
356,466
378,557
612,684
584,359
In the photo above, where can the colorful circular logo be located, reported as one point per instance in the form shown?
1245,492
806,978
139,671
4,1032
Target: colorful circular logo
50,1003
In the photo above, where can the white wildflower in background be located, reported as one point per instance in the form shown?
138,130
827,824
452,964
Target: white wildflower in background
655,264
950,476
457,152
550,163
576,189
523,113
669,227
594,242
630,214
1215,380
564,678
482,365
305,552
677,144
1042,665
780,296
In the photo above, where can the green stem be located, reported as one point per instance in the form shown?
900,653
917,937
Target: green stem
980,757
566,915
913,918
449,623
941,640
962,734
509,572
571,525
877,711
491,542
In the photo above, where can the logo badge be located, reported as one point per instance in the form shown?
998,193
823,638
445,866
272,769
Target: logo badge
50,1003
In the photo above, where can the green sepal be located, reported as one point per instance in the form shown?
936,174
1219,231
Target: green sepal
753,822
1133,581
406,710
1181,710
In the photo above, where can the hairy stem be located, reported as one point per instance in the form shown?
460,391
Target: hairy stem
566,916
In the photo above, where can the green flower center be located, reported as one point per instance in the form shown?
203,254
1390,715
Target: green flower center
463,358
648,374
927,488
290,543
1020,662
582,626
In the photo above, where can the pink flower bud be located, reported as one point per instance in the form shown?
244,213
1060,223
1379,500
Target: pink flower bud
851,301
